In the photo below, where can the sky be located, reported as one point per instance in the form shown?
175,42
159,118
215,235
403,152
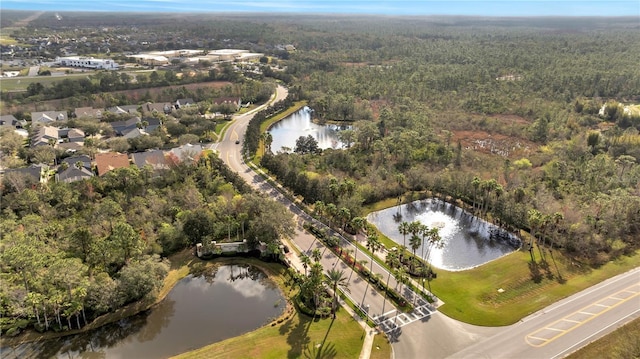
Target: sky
386,7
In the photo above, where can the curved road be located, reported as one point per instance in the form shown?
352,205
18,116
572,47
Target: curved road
360,291
553,332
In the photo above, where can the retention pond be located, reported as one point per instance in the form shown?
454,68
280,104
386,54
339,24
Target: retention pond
286,132
468,241
198,311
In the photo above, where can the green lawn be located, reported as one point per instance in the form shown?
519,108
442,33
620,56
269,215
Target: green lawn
621,344
21,83
381,348
472,296
297,336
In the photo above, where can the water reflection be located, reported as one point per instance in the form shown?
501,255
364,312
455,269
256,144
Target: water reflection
198,311
468,241
286,131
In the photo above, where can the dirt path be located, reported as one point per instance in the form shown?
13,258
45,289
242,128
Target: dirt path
24,22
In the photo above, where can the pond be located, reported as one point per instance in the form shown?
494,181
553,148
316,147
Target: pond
198,311
467,240
286,131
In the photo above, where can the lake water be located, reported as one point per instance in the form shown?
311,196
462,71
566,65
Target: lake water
198,311
468,241
286,131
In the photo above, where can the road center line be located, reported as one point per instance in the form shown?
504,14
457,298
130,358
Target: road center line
533,334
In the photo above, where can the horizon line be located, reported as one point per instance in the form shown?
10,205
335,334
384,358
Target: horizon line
314,13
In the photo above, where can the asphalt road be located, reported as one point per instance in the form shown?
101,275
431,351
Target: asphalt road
553,332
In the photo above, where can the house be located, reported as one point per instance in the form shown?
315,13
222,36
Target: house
122,127
158,107
235,101
34,173
186,152
45,135
88,112
151,124
73,174
122,110
110,161
76,135
47,117
154,158
134,132
11,121
74,161
184,102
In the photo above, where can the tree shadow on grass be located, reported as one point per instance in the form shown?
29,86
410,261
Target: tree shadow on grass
328,330
320,351
298,336
561,280
536,273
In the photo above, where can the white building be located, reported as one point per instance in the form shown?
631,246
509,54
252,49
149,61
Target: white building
148,59
87,62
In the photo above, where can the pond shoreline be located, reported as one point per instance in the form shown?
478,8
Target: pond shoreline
183,264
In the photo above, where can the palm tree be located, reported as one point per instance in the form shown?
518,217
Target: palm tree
424,231
557,218
335,278
373,245
401,277
358,224
306,262
475,182
314,284
316,255
268,140
319,209
434,241
415,242
392,261
534,218
331,210
345,216
403,228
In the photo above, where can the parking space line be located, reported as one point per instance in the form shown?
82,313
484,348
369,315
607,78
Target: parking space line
577,323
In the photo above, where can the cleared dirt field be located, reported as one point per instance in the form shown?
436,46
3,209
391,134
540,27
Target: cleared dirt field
494,143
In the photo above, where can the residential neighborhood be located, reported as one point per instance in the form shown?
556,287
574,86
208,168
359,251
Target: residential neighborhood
70,159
